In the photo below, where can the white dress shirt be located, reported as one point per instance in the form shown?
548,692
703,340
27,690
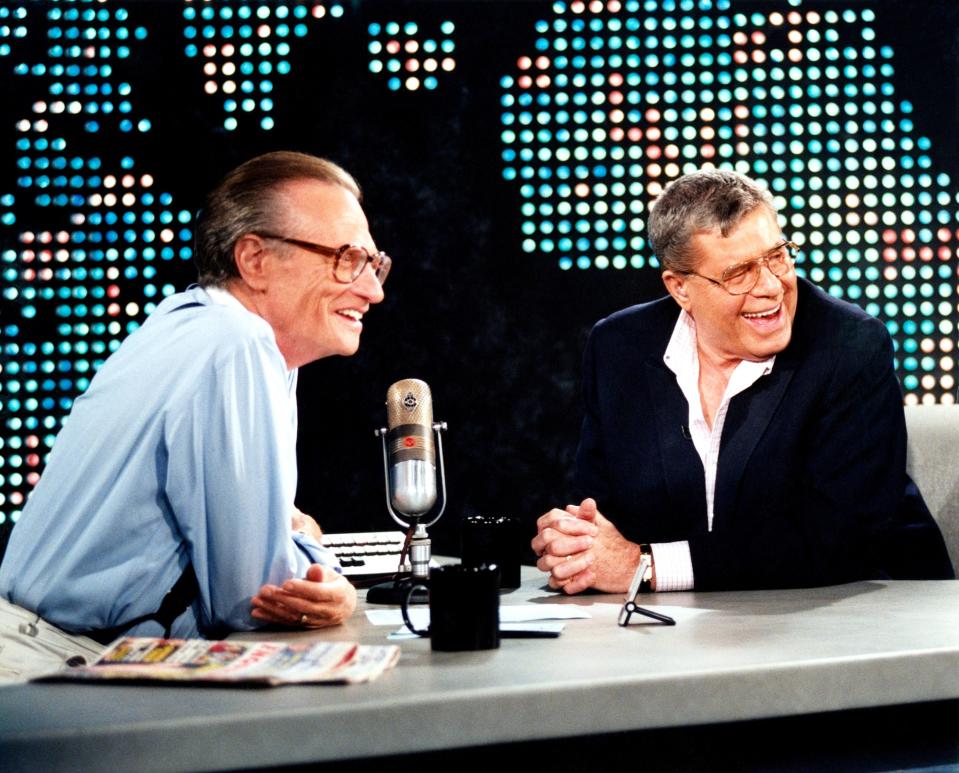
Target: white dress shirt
674,566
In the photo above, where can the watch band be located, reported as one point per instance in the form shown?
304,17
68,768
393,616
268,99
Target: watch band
646,584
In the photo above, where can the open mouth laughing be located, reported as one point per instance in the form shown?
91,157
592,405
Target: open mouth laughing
769,315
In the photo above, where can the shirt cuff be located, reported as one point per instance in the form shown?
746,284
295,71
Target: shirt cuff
674,566
317,553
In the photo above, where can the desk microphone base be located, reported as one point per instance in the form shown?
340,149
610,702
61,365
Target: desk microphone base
395,592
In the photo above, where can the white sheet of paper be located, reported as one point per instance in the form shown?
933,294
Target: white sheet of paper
508,613
404,633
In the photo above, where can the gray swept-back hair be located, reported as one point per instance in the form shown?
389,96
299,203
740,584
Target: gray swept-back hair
248,200
705,200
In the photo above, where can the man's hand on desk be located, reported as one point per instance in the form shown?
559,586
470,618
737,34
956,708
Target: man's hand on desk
581,548
322,599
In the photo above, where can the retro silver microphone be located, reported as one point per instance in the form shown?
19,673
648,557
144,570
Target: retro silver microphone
412,442
411,451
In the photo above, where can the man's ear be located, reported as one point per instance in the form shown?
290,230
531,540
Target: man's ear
676,287
251,257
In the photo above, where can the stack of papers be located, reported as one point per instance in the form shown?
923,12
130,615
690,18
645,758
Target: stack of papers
263,662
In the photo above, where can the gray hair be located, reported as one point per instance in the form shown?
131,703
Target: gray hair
249,199
704,200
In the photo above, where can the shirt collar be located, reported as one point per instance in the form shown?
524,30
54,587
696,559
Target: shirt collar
223,297
682,357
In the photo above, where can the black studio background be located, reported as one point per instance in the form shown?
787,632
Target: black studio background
496,333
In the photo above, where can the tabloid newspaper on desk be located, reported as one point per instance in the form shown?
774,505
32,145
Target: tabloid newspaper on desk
242,662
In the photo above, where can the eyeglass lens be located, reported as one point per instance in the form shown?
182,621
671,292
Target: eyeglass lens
742,278
352,261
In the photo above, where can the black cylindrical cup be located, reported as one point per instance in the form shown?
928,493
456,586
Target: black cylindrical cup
464,608
493,539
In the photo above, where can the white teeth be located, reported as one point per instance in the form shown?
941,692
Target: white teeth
761,314
351,313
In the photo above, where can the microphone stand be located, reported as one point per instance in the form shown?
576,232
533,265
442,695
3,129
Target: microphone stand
417,545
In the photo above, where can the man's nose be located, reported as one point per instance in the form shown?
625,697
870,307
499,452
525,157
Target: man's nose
768,283
368,286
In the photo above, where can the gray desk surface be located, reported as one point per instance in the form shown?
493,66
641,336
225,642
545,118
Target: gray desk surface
748,655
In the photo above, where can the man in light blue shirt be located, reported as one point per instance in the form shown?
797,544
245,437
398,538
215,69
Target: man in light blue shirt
166,507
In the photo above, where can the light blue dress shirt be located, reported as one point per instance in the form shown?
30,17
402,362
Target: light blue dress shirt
183,449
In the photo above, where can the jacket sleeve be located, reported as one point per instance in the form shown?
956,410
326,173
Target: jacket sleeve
590,475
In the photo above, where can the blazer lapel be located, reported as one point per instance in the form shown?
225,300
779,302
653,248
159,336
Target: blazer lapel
682,467
748,417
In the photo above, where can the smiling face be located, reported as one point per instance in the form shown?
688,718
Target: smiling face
731,328
311,313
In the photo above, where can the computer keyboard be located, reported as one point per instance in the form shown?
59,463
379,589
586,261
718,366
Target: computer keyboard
368,553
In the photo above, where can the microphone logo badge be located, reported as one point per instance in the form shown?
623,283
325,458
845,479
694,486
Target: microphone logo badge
410,402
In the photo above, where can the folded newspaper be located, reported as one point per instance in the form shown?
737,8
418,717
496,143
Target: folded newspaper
257,662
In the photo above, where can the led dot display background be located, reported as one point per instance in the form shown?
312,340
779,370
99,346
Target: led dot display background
399,52
88,234
618,98
244,48
509,150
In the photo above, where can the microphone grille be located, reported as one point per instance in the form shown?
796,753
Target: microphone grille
409,402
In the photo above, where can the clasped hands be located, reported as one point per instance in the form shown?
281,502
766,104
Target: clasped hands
580,548
323,598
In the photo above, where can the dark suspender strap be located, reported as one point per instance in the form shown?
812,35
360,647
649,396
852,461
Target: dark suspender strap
176,601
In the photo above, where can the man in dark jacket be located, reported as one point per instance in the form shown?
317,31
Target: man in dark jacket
745,432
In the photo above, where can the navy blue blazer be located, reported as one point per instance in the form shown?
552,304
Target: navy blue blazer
811,487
